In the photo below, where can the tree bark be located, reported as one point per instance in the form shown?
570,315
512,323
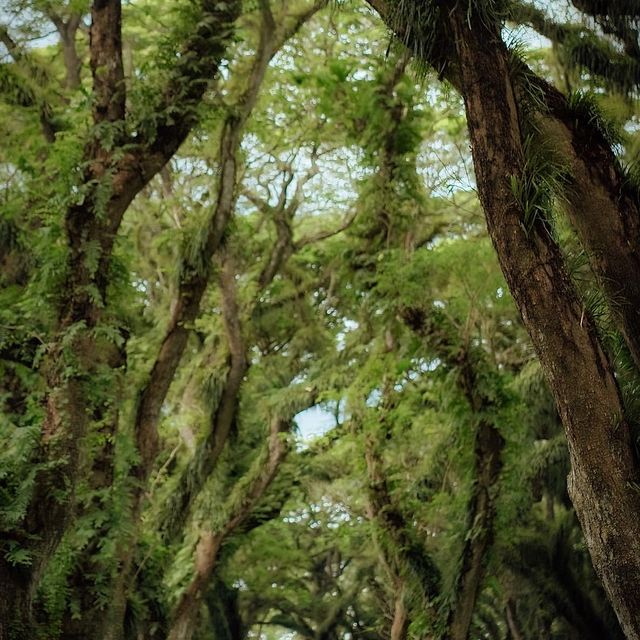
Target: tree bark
67,410
207,454
479,535
194,277
604,471
603,208
512,620
400,623
67,31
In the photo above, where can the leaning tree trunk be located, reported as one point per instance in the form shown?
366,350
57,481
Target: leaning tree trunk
604,474
602,207
243,499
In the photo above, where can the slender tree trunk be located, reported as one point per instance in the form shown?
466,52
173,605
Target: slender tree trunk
488,446
205,459
72,62
512,620
202,464
194,277
264,470
187,612
67,32
400,553
481,515
400,623
481,510
391,555
604,471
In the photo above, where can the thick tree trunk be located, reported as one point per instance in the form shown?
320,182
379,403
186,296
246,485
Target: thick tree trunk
604,472
603,207
91,227
69,411
47,516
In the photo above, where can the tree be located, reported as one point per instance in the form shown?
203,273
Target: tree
269,213
563,335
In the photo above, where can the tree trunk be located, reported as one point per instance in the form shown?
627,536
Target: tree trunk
67,32
204,461
382,513
512,620
602,207
400,624
488,446
262,473
479,535
401,554
72,62
187,612
118,173
481,510
604,471
15,603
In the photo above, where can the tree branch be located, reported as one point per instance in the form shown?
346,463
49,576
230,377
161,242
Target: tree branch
105,43
195,274
27,91
327,233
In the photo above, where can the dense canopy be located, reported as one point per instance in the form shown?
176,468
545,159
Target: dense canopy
319,320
